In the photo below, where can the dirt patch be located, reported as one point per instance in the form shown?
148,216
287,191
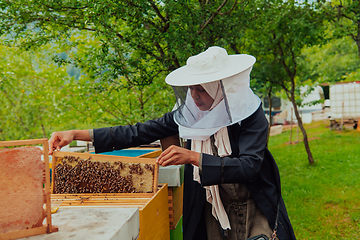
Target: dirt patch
338,218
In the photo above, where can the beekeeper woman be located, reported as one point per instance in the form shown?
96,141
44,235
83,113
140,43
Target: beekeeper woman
231,181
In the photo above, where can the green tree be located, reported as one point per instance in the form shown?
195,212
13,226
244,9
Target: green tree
345,15
29,95
102,104
37,97
109,99
263,84
133,38
290,27
330,62
123,47
126,48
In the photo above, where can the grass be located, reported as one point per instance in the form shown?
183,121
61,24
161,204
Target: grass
323,200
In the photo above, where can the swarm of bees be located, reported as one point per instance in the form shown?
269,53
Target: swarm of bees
76,175
135,168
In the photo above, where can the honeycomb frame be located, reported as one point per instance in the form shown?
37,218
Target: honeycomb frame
58,156
45,228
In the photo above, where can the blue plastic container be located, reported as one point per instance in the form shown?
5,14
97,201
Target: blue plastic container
128,152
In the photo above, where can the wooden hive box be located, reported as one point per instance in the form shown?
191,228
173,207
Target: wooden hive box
141,190
175,193
25,189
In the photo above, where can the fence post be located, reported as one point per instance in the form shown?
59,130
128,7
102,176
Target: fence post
342,116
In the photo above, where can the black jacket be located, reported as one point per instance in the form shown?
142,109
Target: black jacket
250,163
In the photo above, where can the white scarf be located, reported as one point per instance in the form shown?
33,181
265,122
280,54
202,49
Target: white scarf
222,142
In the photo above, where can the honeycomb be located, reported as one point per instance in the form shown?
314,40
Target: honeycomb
22,175
77,175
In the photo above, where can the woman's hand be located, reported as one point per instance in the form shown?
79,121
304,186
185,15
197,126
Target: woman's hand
61,139
175,155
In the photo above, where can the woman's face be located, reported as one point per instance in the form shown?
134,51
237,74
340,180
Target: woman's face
201,98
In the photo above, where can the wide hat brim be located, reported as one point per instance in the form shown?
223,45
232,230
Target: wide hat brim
183,77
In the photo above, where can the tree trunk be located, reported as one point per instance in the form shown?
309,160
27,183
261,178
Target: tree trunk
358,41
270,119
43,129
300,123
358,37
2,134
141,101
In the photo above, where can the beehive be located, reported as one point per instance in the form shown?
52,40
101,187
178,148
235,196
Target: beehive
25,189
124,182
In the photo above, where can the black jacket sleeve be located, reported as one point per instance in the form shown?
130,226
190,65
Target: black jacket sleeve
120,137
244,164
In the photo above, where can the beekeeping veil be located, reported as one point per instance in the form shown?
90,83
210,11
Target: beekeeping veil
226,78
